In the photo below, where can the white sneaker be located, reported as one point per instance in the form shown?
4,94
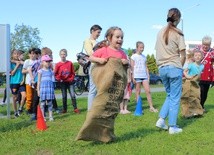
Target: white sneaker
161,124
2,103
174,130
51,119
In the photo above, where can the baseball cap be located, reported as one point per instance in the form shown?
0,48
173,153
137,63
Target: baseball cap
46,58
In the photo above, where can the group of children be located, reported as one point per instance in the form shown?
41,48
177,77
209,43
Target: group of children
34,80
39,75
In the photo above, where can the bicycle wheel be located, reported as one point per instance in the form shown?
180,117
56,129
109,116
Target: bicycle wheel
79,88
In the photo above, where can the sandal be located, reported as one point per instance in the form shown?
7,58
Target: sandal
153,110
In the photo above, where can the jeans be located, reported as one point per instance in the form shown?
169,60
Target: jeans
70,87
172,79
92,90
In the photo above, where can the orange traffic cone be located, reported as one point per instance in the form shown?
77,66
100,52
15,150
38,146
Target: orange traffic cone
41,125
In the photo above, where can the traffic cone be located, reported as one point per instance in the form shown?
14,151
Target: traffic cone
139,109
41,125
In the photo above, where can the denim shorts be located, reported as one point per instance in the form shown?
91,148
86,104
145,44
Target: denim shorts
140,79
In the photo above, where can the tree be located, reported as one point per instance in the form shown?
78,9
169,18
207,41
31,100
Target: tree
151,64
25,37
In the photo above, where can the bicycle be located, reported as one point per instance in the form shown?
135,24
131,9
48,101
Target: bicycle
81,84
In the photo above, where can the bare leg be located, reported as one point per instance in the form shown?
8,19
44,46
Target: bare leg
148,95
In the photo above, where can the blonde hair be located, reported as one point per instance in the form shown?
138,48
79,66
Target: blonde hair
189,54
198,51
46,51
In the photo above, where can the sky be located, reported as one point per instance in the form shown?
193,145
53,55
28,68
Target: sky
66,23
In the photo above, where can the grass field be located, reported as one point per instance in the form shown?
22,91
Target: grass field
135,135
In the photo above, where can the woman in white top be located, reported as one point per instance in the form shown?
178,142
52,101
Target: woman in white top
141,74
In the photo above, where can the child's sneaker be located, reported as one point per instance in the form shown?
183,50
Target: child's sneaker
64,111
57,111
33,117
77,111
174,130
161,124
2,103
16,114
51,119
20,111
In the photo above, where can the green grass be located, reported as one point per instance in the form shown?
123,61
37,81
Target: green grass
135,135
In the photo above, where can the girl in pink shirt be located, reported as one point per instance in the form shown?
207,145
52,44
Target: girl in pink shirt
115,40
109,75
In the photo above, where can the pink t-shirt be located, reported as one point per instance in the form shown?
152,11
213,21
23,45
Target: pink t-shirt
107,52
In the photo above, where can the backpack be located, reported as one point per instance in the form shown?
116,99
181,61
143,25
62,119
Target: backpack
100,44
83,60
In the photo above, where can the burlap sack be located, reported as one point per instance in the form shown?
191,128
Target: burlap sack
110,80
190,100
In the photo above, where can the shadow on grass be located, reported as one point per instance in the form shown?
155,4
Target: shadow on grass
138,134
15,126
132,104
209,107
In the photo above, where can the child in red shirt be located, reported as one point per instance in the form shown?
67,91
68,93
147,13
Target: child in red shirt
64,74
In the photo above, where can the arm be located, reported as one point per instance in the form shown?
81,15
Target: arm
98,60
132,71
185,72
72,73
31,75
15,69
38,83
24,69
88,46
125,61
183,56
147,72
56,73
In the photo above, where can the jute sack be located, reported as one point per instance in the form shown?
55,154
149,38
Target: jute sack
110,80
190,100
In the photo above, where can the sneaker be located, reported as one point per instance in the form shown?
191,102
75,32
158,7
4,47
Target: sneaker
174,130
33,117
20,111
161,124
64,111
77,111
51,119
16,115
2,103
57,111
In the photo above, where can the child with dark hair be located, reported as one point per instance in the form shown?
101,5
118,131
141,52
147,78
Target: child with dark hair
29,90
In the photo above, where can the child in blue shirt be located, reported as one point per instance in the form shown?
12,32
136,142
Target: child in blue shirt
16,78
190,100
